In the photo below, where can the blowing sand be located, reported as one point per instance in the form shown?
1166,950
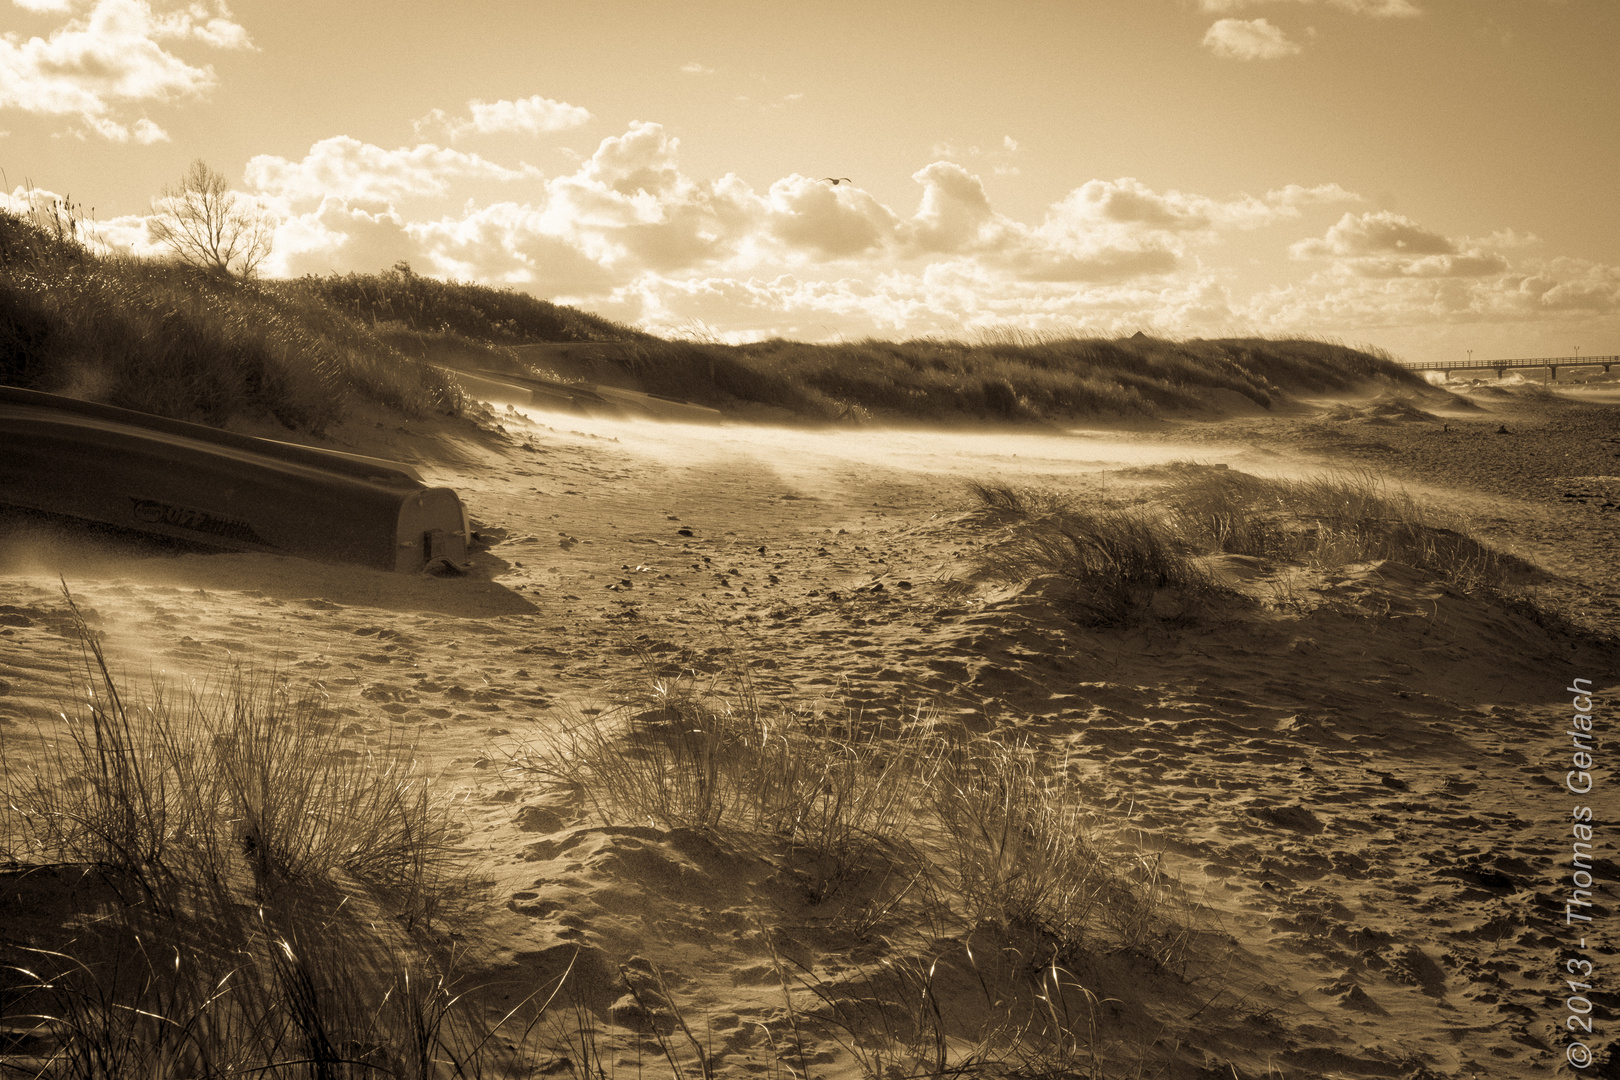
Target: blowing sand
1353,789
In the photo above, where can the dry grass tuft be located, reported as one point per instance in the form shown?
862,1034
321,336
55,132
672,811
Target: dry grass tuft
838,794
1109,565
173,793
1329,521
253,891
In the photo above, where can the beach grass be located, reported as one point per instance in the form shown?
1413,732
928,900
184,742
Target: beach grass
184,343
262,896
1104,566
209,347
1330,520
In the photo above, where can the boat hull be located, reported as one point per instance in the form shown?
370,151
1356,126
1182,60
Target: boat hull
130,470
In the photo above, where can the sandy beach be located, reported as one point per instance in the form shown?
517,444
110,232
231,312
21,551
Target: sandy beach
1347,794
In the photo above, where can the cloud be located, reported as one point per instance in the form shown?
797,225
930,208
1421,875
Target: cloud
954,214
113,56
951,299
1248,39
1559,290
824,221
1129,204
508,244
695,68
1385,270
147,132
1378,233
534,115
144,131
1000,158
346,168
1382,244
1378,9
1295,196
339,238
631,234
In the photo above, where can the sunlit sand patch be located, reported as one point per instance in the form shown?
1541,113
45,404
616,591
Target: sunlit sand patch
805,455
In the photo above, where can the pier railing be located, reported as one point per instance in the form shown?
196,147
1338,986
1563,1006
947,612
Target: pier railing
1551,363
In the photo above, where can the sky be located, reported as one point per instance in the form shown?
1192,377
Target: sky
1427,176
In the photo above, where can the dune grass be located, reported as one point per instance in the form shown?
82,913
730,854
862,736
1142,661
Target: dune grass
1328,521
1109,565
184,343
998,876
407,300
252,889
1104,566
994,833
1017,378
839,795
174,791
266,893
193,345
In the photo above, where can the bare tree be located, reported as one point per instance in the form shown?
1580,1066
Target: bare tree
206,224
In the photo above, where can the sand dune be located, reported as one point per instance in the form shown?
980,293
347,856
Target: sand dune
1349,785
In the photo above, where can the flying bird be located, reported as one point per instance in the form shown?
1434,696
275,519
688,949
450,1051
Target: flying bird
836,180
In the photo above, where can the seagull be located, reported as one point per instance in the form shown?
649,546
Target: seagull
836,180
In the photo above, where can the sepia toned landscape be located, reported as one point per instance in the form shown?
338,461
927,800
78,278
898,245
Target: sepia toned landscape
1211,736
721,541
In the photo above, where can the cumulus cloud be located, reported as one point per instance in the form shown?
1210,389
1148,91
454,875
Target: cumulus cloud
1248,39
346,168
1385,270
1387,245
534,115
953,298
508,244
825,221
1130,204
336,237
631,234
695,68
954,214
1560,290
113,56
630,231
1379,233
143,131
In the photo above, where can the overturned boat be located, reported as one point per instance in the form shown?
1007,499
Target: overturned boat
68,458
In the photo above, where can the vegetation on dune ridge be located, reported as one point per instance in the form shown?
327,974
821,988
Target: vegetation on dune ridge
188,343
207,346
1020,378
478,312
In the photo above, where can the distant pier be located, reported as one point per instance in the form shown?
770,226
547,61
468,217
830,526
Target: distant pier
1551,363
